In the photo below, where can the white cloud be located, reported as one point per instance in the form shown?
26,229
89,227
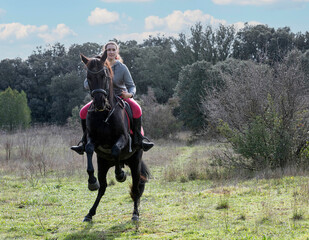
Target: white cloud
60,32
240,25
139,37
153,22
117,1
102,16
19,31
178,21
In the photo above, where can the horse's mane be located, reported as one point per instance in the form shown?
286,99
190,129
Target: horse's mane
110,79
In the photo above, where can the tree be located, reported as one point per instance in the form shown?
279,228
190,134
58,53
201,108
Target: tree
183,53
14,111
224,39
73,61
44,64
198,43
14,73
252,42
66,93
194,83
261,43
301,41
305,65
156,68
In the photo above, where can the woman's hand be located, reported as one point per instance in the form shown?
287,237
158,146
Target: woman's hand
126,95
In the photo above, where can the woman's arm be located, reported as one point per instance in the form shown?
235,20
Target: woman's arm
128,81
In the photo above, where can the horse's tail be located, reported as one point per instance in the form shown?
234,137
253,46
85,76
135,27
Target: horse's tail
145,172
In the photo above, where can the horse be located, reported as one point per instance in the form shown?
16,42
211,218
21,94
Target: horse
108,135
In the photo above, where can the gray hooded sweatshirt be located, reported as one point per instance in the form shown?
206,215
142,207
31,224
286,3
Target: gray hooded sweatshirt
122,80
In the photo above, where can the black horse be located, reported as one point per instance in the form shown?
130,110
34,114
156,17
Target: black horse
108,135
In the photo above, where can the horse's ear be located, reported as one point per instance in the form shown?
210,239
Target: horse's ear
84,59
104,56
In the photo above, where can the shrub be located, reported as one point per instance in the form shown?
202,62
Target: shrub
262,112
158,119
304,154
264,140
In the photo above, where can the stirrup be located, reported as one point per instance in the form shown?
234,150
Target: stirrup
147,145
80,149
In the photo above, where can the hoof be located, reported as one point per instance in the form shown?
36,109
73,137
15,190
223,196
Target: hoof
121,177
87,219
135,218
93,186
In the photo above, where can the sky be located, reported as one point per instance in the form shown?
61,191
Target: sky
28,24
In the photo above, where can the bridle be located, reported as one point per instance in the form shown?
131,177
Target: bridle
107,105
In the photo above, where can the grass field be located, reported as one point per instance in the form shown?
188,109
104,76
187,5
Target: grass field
43,200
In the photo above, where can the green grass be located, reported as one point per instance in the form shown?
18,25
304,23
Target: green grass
54,208
44,196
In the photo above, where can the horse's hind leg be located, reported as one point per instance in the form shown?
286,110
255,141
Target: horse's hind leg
102,172
139,178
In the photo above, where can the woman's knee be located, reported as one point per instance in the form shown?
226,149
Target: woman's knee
83,112
136,109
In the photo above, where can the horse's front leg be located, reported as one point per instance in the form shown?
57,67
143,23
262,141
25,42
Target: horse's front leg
116,150
93,183
102,171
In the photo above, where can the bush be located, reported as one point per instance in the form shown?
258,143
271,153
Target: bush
304,155
158,119
263,112
74,120
264,140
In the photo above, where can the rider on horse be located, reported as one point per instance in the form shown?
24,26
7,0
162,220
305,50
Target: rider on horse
124,87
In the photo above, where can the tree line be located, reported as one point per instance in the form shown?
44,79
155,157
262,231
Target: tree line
52,77
250,86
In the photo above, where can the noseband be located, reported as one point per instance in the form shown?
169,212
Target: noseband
99,90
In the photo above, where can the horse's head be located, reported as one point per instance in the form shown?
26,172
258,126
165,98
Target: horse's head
99,80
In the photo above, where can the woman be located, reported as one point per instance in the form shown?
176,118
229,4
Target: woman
125,88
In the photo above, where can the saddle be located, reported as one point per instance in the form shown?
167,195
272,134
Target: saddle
129,113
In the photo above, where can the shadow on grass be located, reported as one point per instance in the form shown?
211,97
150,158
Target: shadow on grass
111,233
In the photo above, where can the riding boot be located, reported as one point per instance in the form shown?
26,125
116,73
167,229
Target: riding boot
138,139
80,148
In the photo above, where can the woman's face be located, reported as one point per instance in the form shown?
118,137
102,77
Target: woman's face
111,52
